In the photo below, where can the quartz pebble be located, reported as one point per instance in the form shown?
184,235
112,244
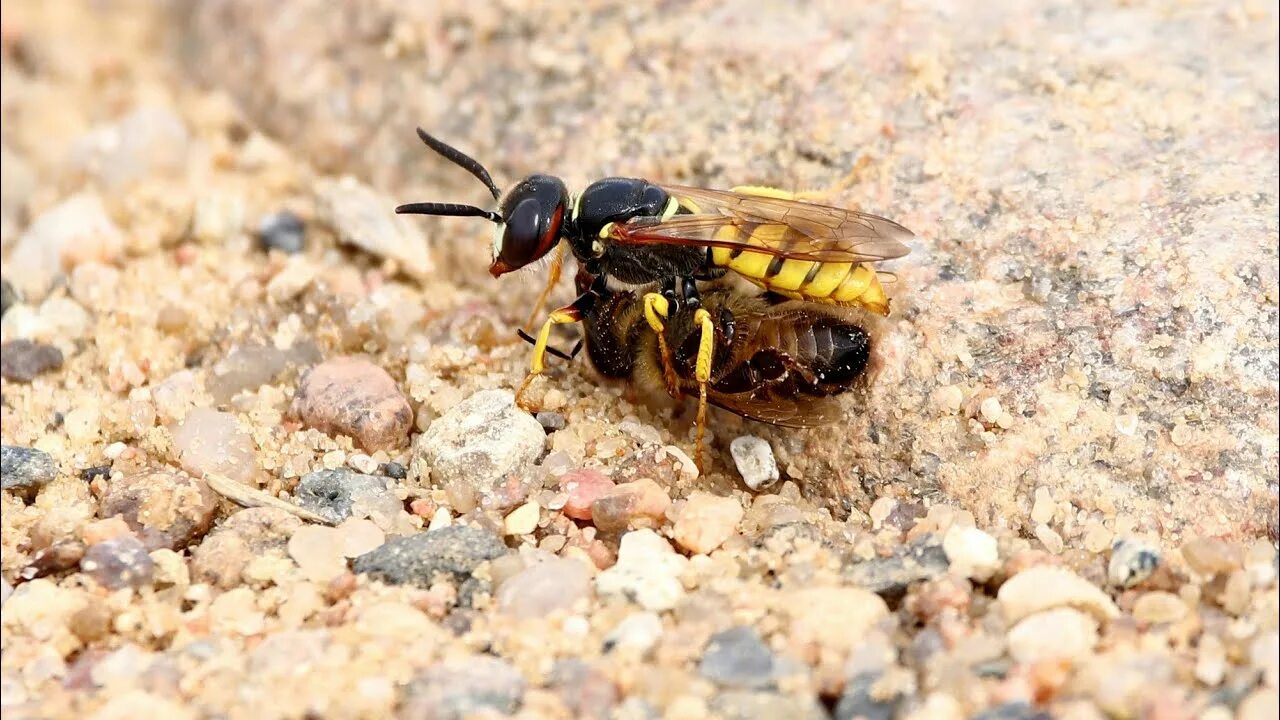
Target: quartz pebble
118,563
455,550
738,657
359,215
209,441
479,442
1210,556
706,521
75,231
464,688
971,552
523,520
248,535
1159,607
332,494
815,611
1060,633
166,509
583,487
638,632
1132,561
352,396
1043,588
24,360
249,367
647,572
754,460
639,503
25,469
544,587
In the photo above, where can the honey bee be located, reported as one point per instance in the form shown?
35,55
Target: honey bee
640,232
763,357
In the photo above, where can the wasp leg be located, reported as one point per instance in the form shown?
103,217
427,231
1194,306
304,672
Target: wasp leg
571,313
553,277
702,372
656,309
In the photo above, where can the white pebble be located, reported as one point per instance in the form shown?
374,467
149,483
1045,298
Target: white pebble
991,410
639,632
755,461
971,552
523,520
1060,633
647,571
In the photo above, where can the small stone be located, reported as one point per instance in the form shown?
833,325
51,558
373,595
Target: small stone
75,231
1061,633
550,421
1043,508
814,612
352,396
165,509
25,469
247,535
706,521
147,142
585,691
582,488
523,520
1050,538
23,360
1211,660
638,632
122,562
359,215
332,494
760,704
991,410
1015,710
247,367
971,552
647,572
393,470
738,657
860,701
464,688
455,550
102,530
318,552
1159,607
58,557
1132,561
1210,556
282,231
1044,588
209,441
639,503
890,577
479,442
544,587
8,296
754,460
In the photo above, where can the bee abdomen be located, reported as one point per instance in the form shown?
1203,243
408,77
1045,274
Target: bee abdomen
835,352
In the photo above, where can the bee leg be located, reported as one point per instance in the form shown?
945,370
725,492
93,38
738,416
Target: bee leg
702,372
568,314
656,309
553,277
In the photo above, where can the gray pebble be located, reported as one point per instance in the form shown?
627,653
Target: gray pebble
1016,710
587,692
8,296
331,493
757,704
755,462
479,442
1132,561
58,557
550,421
463,688
283,231
23,468
738,657
890,577
416,559
393,470
119,562
858,703
23,360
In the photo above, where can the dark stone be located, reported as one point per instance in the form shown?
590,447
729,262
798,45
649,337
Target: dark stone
25,469
23,360
891,576
416,559
393,470
8,296
283,231
550,421
459,689
59,557
738,657
119,562
857,702
331,493
98,471
165,509
1016,710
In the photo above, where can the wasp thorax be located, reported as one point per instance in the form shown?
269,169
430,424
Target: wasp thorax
532,214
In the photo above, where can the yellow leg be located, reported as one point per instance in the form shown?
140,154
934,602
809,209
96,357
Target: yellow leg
557,264
656,309
559,317
702,372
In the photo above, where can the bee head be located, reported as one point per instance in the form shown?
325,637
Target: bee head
531,215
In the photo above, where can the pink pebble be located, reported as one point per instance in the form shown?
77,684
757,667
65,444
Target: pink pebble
583,487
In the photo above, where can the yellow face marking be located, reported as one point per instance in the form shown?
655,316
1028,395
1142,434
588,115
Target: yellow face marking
827,279
606,230
655,311
577,207
706,346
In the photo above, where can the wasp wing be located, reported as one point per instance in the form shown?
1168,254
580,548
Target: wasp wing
772,226
765,405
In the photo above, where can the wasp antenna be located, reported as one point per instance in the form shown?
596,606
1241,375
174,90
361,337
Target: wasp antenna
462,160
450,209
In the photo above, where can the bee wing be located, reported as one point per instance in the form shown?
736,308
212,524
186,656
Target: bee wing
772,226
767,406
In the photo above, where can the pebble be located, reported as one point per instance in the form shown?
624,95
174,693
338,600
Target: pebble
550,421
332,494
739,658
544,587
523,520
638,632
415,559
359,215
165,509
464,688
249,367
283,231
25,469
1210,556
583,487
318,552
815,611
245,536
759,704
1044,587
890,576
706,521
859,701
24,360
59,557
639,503
210,441
352,396
149,141
971,552
585,691
755,462
1062,633
479,442
118,563
1132,561
1014,710
393,470
647,572
8,296
75,231
1159,607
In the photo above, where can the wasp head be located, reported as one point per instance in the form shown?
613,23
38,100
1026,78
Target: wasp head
532,214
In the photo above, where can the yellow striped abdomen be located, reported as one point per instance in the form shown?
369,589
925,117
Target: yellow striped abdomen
834,283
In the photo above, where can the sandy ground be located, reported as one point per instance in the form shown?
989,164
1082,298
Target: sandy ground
1058,496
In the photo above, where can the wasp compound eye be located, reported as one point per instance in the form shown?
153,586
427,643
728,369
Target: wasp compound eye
533,213
525,227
